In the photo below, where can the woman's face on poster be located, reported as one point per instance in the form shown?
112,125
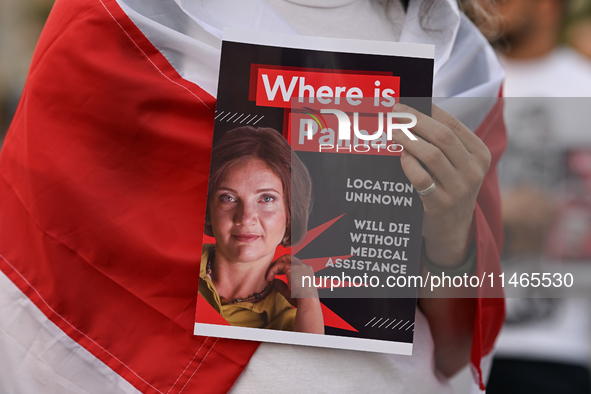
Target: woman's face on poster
247,211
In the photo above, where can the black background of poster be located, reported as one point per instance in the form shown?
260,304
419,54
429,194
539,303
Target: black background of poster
415,81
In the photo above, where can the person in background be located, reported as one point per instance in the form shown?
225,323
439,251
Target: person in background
537,65
544,345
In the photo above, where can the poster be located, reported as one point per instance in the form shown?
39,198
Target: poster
347,220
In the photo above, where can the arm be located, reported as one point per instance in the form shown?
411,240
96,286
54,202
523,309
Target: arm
309,312
458,162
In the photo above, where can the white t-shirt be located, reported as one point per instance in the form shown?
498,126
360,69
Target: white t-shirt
561,73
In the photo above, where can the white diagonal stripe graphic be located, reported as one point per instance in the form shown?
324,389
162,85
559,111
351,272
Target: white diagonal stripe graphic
390,324
225,116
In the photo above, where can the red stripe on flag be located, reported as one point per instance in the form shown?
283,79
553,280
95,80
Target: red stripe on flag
102,178
490,312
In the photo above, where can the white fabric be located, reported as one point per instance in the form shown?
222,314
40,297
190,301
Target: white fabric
298,369
36,357
371,22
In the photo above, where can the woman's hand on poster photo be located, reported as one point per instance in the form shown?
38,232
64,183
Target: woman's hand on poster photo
305,299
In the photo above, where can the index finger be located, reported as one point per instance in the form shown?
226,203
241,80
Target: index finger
433,134
470,140
447,133
280,266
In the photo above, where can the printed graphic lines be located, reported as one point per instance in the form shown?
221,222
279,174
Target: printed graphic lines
377,322
230,117
406,326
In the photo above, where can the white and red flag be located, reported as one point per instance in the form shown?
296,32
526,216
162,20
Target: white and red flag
102,179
